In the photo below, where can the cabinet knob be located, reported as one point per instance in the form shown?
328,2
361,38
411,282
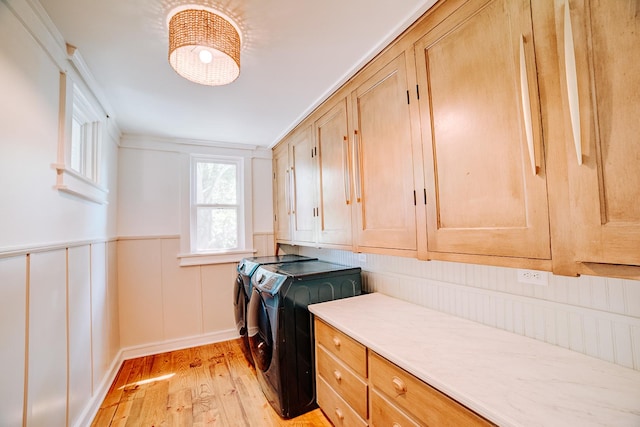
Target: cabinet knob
336,342
337,375
339,414
399,385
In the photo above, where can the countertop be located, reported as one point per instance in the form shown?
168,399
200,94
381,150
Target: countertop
511,380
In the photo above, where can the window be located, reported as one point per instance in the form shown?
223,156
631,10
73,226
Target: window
216,208
81,128
85,137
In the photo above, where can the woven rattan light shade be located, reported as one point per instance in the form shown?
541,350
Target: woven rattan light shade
193,30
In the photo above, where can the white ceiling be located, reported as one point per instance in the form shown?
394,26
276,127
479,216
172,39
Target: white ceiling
295,53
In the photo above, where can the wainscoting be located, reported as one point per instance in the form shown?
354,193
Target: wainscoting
166,307
59,330
596,316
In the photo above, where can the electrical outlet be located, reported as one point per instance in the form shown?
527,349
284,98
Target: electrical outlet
533,277
362,258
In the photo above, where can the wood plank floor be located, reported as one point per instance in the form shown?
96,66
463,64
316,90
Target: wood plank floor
211,385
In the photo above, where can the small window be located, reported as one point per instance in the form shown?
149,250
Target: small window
216,208
81,128
85,138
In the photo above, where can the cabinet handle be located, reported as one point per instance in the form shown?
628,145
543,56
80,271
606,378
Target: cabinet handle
572,81
339,414
526,106
399,385
336,342
292,186
287,191
356,164
345,165
337,375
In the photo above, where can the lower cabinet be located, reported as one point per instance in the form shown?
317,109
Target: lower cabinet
357,387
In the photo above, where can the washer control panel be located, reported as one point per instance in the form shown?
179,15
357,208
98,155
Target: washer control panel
267,281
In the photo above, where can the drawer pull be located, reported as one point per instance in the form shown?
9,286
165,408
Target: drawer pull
396,425
339,414
337,375
336,342
399,385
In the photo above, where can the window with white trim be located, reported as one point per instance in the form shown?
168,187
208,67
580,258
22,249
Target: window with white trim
217,208
79,147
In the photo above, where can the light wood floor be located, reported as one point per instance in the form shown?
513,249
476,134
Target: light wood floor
212,385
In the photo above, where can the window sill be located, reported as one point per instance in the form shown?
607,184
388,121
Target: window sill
71,182
228,257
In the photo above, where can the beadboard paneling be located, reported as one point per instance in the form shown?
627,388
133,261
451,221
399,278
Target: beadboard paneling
597,316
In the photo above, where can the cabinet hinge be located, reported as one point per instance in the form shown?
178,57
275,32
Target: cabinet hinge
414,198
418,91
408,97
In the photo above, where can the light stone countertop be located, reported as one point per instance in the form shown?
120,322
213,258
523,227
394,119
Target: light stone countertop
511,380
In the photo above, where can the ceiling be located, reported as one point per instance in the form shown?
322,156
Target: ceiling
294,54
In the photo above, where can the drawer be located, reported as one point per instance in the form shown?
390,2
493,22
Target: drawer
383,413
348,350
335,408
426,404
343,380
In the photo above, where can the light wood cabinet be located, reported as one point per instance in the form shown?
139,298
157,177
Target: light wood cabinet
483,151
303,188
356,386
341,372
333,171
383,157
599,51
282,193
499,132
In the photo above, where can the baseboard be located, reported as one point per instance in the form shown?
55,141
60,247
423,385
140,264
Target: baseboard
178,344
93,406
90,411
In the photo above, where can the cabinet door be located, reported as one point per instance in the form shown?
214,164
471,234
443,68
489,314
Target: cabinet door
334,186
382,158
282,193
303,213
605,188
480,123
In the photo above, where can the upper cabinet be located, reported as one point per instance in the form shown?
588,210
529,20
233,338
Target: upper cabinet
303,197
480,119
312,192
281,193
500,132
383,150
599,51
333,176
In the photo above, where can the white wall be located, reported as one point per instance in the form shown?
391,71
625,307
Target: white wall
183,306
597,316
58,321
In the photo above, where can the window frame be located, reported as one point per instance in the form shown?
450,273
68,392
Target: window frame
194,205
190,255
83,182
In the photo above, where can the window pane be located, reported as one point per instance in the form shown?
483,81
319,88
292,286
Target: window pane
76,145
217,228
215,183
